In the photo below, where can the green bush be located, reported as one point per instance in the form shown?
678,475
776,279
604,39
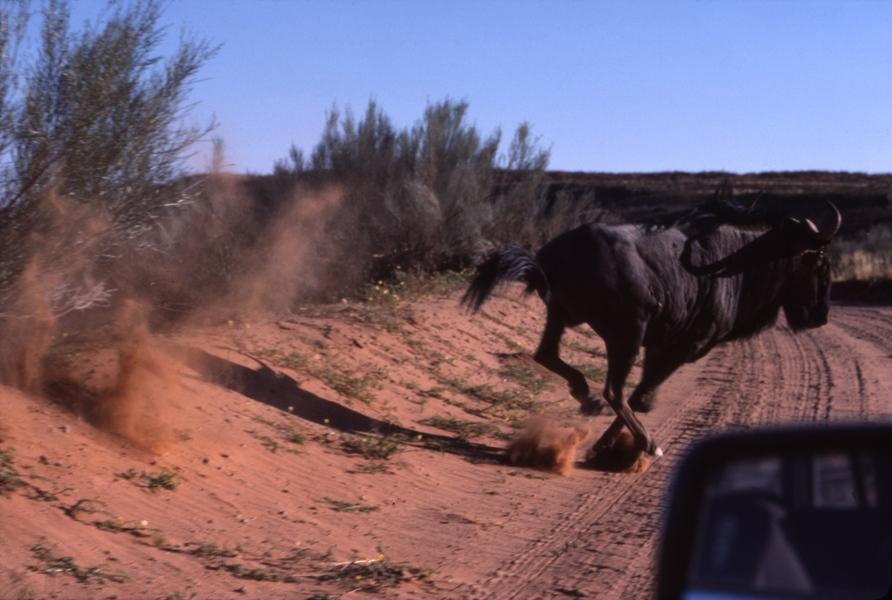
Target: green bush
92,129
429,197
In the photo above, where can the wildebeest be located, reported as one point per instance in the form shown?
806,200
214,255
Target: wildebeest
677,291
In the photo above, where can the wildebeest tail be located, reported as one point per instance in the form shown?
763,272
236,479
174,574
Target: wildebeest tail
511,264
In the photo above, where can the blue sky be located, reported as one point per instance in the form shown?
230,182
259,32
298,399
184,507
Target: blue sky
609,86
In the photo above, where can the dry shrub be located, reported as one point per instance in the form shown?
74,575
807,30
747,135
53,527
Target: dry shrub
864,257
58,278
290,259
429,197
546,446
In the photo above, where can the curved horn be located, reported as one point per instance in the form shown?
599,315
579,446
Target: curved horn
837,222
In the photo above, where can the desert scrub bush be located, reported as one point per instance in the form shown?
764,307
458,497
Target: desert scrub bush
865,256
424,194
93,139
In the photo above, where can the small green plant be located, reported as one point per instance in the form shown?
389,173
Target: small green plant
504,399
164,480
268,442
344,506
51,564
295,437
382,447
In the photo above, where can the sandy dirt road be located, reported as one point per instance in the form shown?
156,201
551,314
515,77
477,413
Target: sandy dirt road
286,468
605,546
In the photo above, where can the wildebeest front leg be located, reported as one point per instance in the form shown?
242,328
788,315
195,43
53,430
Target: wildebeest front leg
548,355
620,357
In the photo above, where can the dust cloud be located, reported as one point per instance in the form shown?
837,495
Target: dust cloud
546,446
79,325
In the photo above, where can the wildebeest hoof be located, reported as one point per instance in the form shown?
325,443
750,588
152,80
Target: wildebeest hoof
658,452
618,453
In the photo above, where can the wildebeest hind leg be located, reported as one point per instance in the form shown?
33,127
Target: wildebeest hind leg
548,355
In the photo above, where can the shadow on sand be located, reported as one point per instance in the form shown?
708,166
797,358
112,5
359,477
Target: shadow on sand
281,391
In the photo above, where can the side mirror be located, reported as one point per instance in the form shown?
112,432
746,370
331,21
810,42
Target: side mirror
781,513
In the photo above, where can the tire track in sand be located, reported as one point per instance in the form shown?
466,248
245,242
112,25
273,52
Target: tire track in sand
604,547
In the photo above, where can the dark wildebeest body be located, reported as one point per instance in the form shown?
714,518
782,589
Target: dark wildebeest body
677,292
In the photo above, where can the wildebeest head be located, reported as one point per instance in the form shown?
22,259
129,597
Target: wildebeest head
807,294
802,244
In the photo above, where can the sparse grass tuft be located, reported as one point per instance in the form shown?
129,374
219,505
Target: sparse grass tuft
371,467
179,596
55,565
163,480
351,386
370,576
437,284
344,506
295,437
255,574
523,375
210,550
465,429
269,443
10,479
594,373
382,447
295,361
